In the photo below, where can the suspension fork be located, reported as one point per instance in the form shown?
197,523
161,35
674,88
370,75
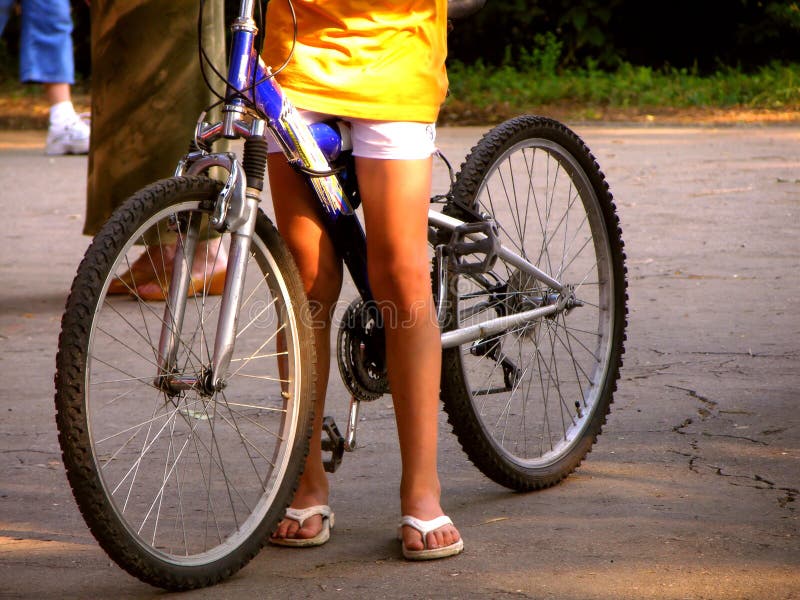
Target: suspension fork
175,310
232,296
236,210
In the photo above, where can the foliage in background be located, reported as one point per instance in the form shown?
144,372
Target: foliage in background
516,55
694,34
488,93
700,34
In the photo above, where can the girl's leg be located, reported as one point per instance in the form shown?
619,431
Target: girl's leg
321,272
395,195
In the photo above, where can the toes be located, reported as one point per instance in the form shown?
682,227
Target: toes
440,538
287,529
451,535
311,528
412,538
434,539
280,530
292,528
151,287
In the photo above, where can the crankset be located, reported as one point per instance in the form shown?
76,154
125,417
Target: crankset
361,352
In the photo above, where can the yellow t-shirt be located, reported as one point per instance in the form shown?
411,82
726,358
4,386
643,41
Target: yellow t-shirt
370,59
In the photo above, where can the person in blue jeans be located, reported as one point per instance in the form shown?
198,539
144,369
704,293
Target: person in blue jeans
46,57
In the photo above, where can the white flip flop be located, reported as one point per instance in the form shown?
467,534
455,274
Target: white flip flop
301,515
425,527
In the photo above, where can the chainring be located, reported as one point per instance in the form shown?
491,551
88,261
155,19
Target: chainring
361,352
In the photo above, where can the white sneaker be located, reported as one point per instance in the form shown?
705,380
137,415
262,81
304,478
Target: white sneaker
71,138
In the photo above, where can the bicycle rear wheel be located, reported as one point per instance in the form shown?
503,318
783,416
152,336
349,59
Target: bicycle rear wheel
182,487
527,404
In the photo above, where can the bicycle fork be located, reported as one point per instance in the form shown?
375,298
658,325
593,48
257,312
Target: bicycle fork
236,210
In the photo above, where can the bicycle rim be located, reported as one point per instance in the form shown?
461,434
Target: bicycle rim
539,392
191,477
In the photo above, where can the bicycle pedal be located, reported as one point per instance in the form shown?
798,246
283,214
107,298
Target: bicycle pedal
334,444
462,246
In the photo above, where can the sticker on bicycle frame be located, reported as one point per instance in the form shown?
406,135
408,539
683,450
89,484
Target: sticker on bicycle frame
328,188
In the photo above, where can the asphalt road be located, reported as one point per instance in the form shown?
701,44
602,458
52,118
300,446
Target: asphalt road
692,491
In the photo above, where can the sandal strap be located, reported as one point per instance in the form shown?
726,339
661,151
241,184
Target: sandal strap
425,527
302,514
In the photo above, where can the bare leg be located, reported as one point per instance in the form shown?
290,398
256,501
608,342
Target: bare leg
396,194
321,272
57,92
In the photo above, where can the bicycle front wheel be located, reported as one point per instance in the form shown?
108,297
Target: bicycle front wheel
528,403
182,487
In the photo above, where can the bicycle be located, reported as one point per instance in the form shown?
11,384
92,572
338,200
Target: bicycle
184,430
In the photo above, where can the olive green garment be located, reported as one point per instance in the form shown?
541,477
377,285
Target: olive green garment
147,93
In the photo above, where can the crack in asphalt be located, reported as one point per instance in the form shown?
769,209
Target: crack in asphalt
678,428
692,459
709,410
735,437
693,393
762,483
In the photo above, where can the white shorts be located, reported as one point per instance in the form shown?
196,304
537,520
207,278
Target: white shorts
398,140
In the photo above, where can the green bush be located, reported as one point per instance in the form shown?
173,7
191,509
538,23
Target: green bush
682,33
482,88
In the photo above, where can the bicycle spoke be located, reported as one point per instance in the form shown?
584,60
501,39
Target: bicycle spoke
246,442
185,476
247,360
528,402
258,425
